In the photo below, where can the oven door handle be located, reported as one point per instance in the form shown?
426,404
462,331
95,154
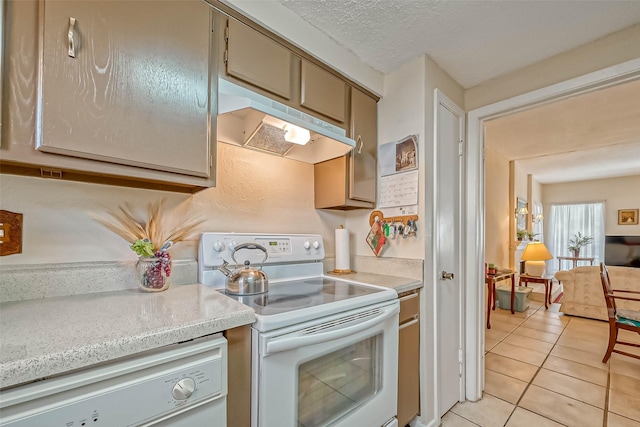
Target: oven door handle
283,344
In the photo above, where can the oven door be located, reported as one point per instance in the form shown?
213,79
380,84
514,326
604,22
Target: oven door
340,370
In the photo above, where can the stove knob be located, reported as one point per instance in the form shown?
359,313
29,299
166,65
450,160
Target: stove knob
218,246
307,245
183,389
232,245
316,244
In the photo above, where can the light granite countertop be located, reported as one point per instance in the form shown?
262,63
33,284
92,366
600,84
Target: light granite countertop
49,336
399,284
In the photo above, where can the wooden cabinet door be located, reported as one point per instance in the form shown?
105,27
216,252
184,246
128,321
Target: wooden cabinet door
408,372
363,166
137,91
256,59
322,92
409,357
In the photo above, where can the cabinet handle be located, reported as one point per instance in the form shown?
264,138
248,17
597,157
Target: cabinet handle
407,324
71,34
361,144
410,296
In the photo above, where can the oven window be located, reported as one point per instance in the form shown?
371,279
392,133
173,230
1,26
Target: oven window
337,383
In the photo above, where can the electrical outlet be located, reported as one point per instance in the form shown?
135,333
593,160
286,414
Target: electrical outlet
10,233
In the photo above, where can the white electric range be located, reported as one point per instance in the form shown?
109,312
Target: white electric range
324,349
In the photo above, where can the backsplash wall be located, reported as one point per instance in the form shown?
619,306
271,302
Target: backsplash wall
255,193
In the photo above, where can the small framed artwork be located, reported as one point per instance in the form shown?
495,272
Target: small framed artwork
628,217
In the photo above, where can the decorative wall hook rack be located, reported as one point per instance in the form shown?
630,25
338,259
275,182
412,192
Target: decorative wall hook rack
402,218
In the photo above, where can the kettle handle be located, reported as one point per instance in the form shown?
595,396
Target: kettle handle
250,246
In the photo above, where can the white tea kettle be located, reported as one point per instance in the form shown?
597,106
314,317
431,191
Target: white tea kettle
245,280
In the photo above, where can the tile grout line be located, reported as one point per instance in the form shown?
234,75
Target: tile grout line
516,405
605,418
564,328
607,387
505,337
555,344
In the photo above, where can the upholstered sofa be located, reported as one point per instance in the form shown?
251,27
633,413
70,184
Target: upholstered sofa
583,294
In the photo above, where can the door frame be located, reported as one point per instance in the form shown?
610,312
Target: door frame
441,99
475,203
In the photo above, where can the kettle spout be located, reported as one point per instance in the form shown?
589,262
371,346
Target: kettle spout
223,269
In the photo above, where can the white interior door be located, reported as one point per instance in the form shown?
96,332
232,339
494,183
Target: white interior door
449,133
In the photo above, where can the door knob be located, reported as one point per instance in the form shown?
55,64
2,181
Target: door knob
446,276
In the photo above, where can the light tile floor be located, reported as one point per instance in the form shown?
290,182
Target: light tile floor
543,368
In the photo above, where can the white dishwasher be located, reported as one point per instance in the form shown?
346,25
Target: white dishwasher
182,385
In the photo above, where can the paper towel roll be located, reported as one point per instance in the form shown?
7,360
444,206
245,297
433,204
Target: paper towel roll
342,249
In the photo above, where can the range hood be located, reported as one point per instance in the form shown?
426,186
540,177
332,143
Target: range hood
250,120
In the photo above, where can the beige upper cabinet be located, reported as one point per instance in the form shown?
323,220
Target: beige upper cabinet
323,92
363,166
128,83
261,61
258,60
349,182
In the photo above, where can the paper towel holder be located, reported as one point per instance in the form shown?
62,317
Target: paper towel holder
338,272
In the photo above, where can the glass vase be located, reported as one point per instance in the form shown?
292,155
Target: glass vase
152,275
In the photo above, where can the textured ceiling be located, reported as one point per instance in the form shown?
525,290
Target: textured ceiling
595,135
472,40
586,137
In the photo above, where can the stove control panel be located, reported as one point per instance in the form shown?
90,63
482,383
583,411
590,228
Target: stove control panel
304,251
281,248
275,246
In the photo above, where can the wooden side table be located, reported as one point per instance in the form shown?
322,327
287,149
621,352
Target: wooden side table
574,259
547,280
491,280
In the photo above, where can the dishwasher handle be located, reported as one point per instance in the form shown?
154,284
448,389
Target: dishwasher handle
283,344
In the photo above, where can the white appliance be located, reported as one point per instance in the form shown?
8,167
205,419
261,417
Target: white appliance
324,350
182,385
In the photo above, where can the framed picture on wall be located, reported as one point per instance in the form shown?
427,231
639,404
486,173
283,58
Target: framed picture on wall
628,217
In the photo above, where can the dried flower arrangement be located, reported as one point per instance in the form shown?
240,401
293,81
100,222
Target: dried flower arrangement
150,238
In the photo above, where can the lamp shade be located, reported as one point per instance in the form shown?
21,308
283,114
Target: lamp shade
536,251
535,254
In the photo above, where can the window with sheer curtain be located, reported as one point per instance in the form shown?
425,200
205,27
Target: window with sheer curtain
568,219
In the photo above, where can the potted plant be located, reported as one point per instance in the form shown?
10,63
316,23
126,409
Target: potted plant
151,240
493,269
578,242
531,235
521,234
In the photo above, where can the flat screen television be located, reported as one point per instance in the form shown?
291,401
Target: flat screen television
622,251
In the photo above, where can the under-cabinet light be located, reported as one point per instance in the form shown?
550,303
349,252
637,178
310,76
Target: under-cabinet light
296,134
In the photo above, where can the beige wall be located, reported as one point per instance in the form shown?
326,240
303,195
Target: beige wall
618,193
255,193
406,108
497,212
522,189
613,49
402,87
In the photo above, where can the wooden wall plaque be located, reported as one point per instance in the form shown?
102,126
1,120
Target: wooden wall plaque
10,233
